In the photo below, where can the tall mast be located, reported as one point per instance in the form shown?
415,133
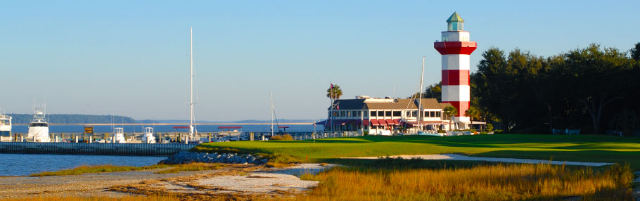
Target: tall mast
420,110
272,113
191,129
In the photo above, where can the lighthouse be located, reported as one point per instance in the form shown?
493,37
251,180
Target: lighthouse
456,48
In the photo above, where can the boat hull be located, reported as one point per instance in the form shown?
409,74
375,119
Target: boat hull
38,134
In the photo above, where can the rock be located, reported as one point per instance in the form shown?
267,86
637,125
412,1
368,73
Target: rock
189,157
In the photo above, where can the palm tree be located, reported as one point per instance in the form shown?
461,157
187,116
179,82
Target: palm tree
472,112
335,94
450,111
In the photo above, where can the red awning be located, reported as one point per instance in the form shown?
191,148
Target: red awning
365,122
396,121
382,122
415,123
374,122
390,122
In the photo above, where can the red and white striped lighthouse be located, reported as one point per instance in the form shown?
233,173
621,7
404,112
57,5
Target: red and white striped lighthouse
456,49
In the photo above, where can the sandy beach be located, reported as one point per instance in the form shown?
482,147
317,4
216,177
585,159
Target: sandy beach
239,180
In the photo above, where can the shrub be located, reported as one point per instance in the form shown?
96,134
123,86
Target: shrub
366,133
489,127
282,137
442,131
498,131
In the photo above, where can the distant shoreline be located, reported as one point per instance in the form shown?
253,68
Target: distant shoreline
168,124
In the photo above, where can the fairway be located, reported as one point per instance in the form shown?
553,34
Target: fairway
583,148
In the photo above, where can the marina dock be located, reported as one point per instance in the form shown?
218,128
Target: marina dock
120,149
78,143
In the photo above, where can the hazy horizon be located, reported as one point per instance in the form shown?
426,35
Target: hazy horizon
131,58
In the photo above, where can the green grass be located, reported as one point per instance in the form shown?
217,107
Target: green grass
586,148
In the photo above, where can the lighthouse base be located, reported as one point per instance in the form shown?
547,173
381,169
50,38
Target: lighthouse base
460,123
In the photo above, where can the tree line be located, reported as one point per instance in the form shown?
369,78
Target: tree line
594,89
73,119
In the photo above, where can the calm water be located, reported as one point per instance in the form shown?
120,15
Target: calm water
201,128
26,164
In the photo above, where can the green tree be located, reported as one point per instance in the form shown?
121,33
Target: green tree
596,77
635,52
624,121
450,111
434,91
335,93
472,113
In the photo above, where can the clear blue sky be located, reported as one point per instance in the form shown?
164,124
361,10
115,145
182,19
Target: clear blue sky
132,57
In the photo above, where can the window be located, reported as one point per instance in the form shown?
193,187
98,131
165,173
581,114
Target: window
426,114
414,113
380,113
366,114
387,113
373,113
438,114
397,113
354,114
432,114
342,113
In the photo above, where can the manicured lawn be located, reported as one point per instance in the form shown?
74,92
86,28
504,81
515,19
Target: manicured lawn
586,148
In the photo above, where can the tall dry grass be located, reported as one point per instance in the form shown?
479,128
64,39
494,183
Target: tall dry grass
499,182
191,167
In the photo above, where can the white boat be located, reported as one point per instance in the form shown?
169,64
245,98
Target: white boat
39,128
118,135
229,133
5,128
148,137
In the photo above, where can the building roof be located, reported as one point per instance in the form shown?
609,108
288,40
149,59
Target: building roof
455,18
389,104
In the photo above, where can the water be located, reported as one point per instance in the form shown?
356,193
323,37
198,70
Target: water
26,164
165,128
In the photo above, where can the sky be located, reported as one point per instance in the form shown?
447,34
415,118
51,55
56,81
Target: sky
131,58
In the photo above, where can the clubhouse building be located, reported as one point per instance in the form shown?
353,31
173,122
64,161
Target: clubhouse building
386,116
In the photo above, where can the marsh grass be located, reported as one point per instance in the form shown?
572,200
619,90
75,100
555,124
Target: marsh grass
482,182
191,167
84,169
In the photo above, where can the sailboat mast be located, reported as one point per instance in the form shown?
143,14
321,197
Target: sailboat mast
191,129
420,110
272,113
